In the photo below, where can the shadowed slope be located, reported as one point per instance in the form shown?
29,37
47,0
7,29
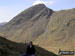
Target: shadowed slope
9,48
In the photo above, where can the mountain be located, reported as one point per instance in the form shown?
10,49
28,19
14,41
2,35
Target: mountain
52,30
9,48
2,24
29,24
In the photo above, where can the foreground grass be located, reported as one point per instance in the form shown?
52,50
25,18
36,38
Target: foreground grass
9,48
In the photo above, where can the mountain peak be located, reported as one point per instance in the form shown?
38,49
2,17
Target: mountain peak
41,4
30,13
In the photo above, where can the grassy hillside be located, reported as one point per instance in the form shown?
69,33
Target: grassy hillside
9,48
60,32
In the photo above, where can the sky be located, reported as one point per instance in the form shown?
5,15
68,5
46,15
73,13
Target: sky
10,8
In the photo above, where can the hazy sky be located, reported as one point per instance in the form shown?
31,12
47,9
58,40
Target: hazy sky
10,8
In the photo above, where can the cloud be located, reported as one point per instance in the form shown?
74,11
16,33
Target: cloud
44,2
49,2
37,2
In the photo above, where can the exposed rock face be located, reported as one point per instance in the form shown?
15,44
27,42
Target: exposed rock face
29,24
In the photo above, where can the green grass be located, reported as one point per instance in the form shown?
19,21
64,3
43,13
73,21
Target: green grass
9,48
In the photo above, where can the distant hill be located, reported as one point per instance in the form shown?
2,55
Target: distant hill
2,24
9,48
47,28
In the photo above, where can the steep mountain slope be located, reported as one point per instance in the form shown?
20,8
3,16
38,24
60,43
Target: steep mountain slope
60,32
9,48
29,24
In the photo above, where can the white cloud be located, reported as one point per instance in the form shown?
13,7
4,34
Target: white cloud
37,2
44,2
49,2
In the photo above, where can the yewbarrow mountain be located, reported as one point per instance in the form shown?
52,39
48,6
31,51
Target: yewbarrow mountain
47,28
29,24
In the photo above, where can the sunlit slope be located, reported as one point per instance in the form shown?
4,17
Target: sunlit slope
60,32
